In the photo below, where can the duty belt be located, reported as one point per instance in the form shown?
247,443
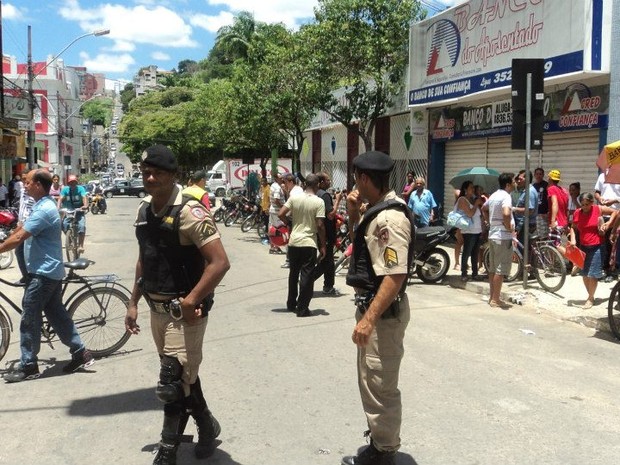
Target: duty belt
362,302
173,307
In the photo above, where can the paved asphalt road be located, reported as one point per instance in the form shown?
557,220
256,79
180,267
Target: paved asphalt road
477,389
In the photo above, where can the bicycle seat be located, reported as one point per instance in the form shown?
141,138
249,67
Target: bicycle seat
533,237
79,264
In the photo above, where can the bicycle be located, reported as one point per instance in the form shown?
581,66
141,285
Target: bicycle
613,310
97,307
72,238
546,263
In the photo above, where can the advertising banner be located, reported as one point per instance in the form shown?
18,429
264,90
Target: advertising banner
577,106
469,48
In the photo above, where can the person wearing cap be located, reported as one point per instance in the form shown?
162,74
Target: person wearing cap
180,263
558,209
73,197
196,188
382,252
421,202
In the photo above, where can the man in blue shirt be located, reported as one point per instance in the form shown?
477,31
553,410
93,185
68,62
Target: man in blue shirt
73,197
41,234
519,209
422,203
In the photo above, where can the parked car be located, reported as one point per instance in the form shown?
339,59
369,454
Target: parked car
125,187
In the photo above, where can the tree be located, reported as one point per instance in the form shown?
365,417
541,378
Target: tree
235,40
98,111
360,50
169,117
127,95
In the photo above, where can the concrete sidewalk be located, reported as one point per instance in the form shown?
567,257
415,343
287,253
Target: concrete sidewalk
566,304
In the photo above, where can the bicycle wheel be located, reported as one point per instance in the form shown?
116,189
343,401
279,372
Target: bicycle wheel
613,310
549,268
516,270
6,258
5,333
71,245
99,315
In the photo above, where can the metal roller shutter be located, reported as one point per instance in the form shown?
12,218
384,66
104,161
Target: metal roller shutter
461,155
574,153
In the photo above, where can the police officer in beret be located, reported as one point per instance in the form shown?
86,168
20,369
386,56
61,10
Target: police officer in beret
378,271
181,261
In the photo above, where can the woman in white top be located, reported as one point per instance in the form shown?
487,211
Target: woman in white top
470,206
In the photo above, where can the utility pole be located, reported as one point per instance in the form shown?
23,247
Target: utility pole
32,102
1,67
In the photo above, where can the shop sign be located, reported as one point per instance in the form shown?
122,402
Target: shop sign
470,47
575,107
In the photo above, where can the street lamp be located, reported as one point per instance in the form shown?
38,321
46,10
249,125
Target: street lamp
32,76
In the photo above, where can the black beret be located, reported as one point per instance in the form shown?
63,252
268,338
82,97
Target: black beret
161,157
373,161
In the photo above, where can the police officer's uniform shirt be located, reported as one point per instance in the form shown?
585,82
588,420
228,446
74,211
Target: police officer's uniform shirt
196,225
387,237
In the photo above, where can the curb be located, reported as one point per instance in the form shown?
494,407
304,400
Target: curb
526,298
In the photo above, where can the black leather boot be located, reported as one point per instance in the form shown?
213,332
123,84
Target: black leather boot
170,436
370,456
208,429
206,424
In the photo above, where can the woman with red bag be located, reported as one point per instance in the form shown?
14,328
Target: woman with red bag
588,221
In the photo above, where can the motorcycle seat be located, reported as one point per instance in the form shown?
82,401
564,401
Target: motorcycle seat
429,232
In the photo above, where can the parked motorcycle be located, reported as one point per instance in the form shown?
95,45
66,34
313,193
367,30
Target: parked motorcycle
242,209
252,220
226,206
8,222
430,262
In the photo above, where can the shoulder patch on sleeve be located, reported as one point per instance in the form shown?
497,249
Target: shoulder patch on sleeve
390,257
198,213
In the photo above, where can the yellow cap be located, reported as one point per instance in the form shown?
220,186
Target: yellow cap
555,175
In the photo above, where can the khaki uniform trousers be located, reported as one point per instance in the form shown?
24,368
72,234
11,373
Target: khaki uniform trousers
378,366
179,340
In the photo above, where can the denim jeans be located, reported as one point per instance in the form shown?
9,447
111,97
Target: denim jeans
66,222
471,248
44,295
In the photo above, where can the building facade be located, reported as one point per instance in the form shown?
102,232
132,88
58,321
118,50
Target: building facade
57,123
461,77
457,111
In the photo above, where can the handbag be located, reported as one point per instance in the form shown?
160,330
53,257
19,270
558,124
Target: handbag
458,219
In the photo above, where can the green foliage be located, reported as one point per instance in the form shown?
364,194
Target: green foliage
127,95
98,111
261,84
361,47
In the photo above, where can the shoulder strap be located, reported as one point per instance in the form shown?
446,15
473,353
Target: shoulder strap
390,203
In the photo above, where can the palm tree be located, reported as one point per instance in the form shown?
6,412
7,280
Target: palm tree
235,40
